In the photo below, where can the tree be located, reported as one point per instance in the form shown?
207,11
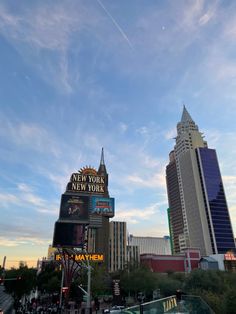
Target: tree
22,280
49,279
204,280
168,285
100,280
230,301
138,279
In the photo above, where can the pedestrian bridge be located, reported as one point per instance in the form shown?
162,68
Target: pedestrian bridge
170,305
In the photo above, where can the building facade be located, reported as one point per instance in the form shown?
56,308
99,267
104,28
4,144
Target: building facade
184,262
198,212
117,245
133,255
151,245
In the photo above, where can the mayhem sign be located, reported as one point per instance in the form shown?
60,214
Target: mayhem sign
87,183
80,257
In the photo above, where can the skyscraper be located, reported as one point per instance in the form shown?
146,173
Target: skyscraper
118,245
198,212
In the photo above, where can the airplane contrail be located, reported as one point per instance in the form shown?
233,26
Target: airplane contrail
116,24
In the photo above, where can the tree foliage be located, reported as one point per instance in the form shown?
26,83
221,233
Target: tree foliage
49,279
101,281
217,288
20,281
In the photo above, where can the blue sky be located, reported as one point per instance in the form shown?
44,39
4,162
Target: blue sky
76,76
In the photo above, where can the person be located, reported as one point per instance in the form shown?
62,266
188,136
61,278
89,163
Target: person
1,311
179,294
97,304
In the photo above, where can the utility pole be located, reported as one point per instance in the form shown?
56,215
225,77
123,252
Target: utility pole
4,262
3,268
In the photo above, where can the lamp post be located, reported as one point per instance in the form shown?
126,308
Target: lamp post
88,292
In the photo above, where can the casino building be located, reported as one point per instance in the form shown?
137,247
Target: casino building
85,209
198,212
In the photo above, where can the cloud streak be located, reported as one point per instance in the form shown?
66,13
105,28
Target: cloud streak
125,37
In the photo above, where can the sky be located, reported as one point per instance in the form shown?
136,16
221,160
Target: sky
76,76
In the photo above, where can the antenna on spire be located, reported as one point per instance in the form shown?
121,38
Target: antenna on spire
102,162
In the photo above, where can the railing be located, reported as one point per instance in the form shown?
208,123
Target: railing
6,301
188,305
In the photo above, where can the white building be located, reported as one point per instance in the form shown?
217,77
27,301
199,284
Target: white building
151,245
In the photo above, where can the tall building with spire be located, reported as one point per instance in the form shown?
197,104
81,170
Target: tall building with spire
198,212
85,210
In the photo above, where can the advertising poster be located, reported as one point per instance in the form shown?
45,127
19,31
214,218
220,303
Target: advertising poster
116,292
74,208
68,235
102,206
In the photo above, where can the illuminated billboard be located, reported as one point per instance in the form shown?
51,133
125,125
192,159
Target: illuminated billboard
80,257
68,234
74,208
102,206
87,180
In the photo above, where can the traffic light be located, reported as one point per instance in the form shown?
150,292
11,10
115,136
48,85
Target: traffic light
1,280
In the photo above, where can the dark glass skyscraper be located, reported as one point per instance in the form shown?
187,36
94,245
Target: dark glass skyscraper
219,224
198,211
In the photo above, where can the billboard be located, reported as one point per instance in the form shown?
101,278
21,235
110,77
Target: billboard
102,206
80,257
68,234
87,181
74,208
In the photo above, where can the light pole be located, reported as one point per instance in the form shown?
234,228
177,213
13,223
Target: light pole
88,304
88,292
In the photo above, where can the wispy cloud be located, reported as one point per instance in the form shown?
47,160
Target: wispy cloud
6,242
28,135
140,221
25,197
170,134
153,181
123,127
47,30
135,215
7,198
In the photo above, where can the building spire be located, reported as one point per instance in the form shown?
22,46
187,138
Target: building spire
102,162
186,116
102,167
